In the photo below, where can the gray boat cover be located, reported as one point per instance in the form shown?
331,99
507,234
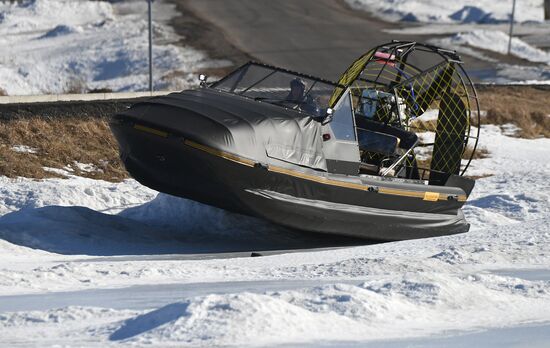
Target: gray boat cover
238,125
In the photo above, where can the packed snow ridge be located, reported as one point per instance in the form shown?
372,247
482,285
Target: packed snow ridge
63,46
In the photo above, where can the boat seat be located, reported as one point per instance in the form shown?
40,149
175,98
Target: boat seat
374,147
377,142
406,139
368,168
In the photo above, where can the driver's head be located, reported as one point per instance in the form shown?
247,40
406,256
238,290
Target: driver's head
297,88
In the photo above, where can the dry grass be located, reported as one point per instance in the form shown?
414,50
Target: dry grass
526,107
419,125
480,152
59,142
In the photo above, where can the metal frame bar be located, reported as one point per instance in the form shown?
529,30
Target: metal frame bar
257,82
396,163
310,77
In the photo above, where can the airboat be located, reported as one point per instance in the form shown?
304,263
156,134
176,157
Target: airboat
381,154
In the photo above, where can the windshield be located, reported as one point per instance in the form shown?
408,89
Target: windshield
279,87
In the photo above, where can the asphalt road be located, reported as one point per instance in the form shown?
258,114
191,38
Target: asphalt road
318,37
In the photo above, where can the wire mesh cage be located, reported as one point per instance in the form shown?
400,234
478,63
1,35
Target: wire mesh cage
420,89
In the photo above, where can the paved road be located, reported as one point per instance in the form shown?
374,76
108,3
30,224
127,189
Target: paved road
319,37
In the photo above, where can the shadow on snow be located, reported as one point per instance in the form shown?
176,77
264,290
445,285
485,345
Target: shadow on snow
166,225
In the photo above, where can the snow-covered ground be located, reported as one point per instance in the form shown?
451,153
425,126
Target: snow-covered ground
93,263
461,11
478,41
497,41
62,46
475,28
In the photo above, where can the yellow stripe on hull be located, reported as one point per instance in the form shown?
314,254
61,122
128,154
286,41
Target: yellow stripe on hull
428,196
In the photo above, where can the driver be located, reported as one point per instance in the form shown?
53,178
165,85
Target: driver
297,89
304,102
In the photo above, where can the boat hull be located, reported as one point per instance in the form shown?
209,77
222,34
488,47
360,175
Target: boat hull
178,166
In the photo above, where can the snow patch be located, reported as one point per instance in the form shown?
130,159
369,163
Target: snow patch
41,15
24,149
496,41
464,11
62,46
87,167
62,172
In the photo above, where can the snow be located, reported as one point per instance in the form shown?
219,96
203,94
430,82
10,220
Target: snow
60,30
98,195
496,41
368,311
116,263
24,149
86,167
61,46
477,42
474,27
518,74
69,169
464,11
61,172
519,188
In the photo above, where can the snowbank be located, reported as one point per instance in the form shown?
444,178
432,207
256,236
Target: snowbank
464,11
419,305
101,196
61,46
